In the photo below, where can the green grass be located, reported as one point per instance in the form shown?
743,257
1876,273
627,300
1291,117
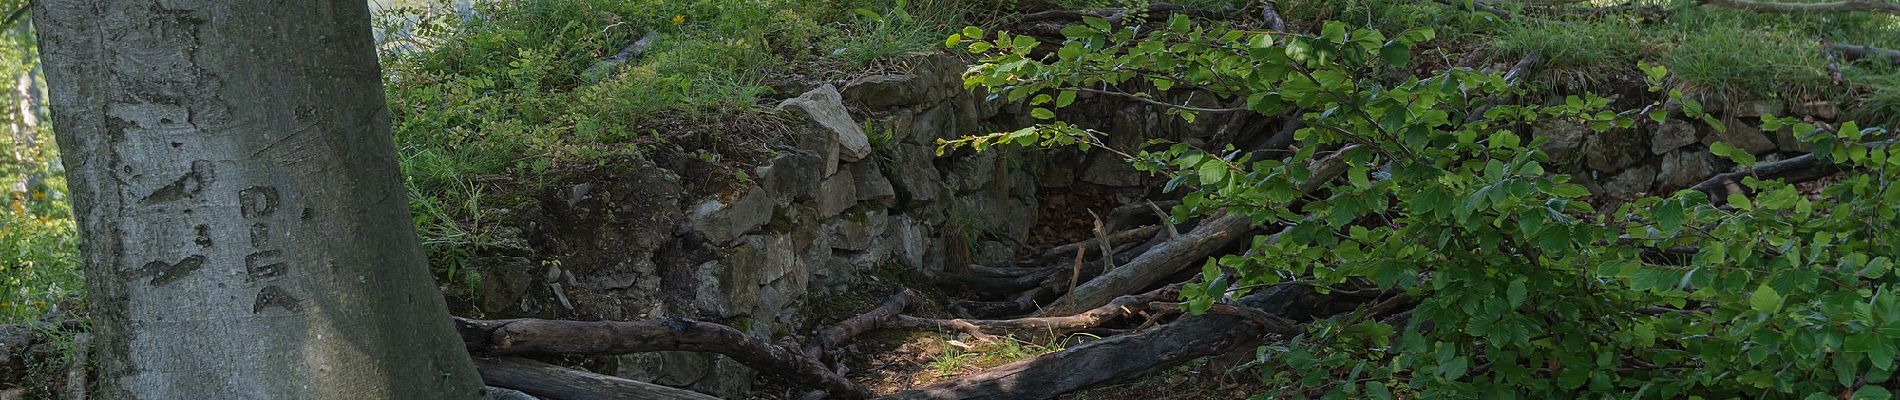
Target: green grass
485,108
39,248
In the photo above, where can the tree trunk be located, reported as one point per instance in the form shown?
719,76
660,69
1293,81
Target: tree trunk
246,233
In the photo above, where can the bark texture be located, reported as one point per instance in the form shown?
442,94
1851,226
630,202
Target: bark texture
556,383
246,233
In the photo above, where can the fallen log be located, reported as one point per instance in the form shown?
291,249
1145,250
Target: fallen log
852,327
985,286
1178,252
1063,252
1803,168
552,382
1157,263
539,336
1858,51
1128,356
1121,307
1023,303
1789,7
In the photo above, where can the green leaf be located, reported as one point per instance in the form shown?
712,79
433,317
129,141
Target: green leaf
954,39
1064,98
1042,113
1668,216
972,32
1517,292
1765,299
1096,22
1212,172
1872,392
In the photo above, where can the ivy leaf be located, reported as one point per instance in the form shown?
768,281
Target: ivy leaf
1765,299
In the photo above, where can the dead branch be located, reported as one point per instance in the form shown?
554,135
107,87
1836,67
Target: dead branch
1023,303
539,336
1117,238
849,328
554,382
1157,263
1121,307
1783,7
984,286
1859,51
1122,357
1803,168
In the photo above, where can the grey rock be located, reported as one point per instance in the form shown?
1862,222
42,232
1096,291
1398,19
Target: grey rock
1671,135
722,223
938,122
825,106
1821,109
909,240
1059,173
506,282
974,171
1683,168
709,294
1743,135
872,187
495,393
858,230
992,252
835,194
1614,150
793,175
1108,169
1756,108
1630,183
761,259
914,175
577,193
1565,139
887,90
1786,141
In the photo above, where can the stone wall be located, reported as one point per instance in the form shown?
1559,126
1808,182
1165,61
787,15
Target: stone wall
1661,158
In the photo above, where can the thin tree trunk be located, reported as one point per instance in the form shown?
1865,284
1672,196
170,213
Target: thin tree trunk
245,230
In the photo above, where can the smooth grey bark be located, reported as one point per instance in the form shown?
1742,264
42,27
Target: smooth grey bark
245,229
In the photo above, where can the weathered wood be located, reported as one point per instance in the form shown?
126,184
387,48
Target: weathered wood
1063,252
852,327
552,382
240,204
1157,263
1121,307
1124,357
1803,168
1023,303
984,286
1859,51
539,336
1178,252
1790,7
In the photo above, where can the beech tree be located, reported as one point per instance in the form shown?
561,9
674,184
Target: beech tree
246,233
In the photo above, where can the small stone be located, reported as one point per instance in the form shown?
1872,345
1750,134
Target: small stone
914,175
1564,139
1757,108
1821,109
886,90
1614,150
1684,168
722,223
1630,183
835,195
1671,135
792,176
1743,135
872,187
825,106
